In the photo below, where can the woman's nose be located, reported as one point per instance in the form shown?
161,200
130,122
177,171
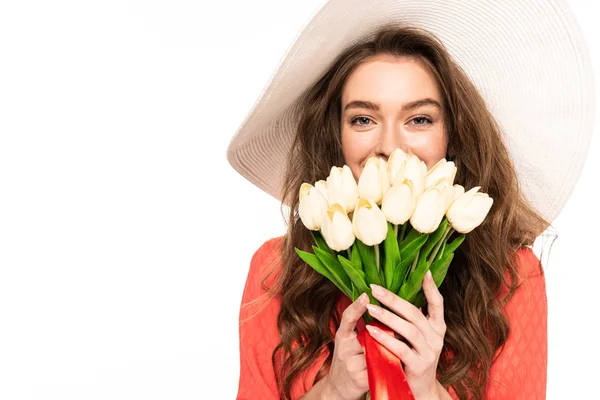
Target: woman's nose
389,140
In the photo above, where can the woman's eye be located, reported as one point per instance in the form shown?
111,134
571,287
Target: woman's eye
421,121
362,121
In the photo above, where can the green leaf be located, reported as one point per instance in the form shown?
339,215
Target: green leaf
452,246
320,241
392,256
420,299
382,278
408,253
344,262
356,257
414,283
440,267
333,265
440,253
438,271
317,265
367,255
400,273
414,245
412,234
355,293
435,237
358,278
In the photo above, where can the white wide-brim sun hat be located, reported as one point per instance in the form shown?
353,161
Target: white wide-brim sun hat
527,58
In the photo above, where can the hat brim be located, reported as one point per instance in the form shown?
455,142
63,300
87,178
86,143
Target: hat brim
527,58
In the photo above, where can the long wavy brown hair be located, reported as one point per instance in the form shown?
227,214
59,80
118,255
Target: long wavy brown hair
476,327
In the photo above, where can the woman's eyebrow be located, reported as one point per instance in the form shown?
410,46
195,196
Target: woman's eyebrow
406,107
362,104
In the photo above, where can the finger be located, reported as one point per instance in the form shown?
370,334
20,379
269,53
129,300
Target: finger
435,304
349,347
357,363
402,310
399,349
351,316
401,307
404,328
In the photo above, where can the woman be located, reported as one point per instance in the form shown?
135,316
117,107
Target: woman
483,334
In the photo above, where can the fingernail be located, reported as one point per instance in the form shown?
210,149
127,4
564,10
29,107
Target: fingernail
374,309
378,290
372,330
428,275
362,299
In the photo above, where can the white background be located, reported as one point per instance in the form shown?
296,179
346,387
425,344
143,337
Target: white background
125,237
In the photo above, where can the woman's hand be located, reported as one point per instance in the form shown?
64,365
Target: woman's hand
347,378
425,334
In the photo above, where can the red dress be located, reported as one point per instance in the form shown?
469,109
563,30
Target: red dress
518,373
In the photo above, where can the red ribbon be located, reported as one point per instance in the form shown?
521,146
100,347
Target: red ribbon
387,380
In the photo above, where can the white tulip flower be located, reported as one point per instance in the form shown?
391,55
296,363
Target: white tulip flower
337,228
469,210
448,193
321,186
384,177
442,172
312,207
342,188
413,171
430,209
423,168
399,203
369,223
374,182
458,191
395,166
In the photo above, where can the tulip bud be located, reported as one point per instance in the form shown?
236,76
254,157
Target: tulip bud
458,191
321,186
342,188
369,223
448,193
374,182
413,171
337,229
384,178
399,203
395,166
443,171
423,168
430,209
469,210
312,207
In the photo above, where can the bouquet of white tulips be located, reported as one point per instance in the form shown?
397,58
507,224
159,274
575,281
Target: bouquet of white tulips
391,227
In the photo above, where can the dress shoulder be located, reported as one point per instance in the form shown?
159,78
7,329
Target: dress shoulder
263,261
258,331
520,370
258,335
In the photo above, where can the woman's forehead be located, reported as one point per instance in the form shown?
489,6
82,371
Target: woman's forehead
390,83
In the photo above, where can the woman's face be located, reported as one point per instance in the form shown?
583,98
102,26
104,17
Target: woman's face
390,103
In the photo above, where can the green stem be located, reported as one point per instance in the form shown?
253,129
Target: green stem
377,257
450,232
447,238
396,231
349,254
403,231
439,244
415,262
